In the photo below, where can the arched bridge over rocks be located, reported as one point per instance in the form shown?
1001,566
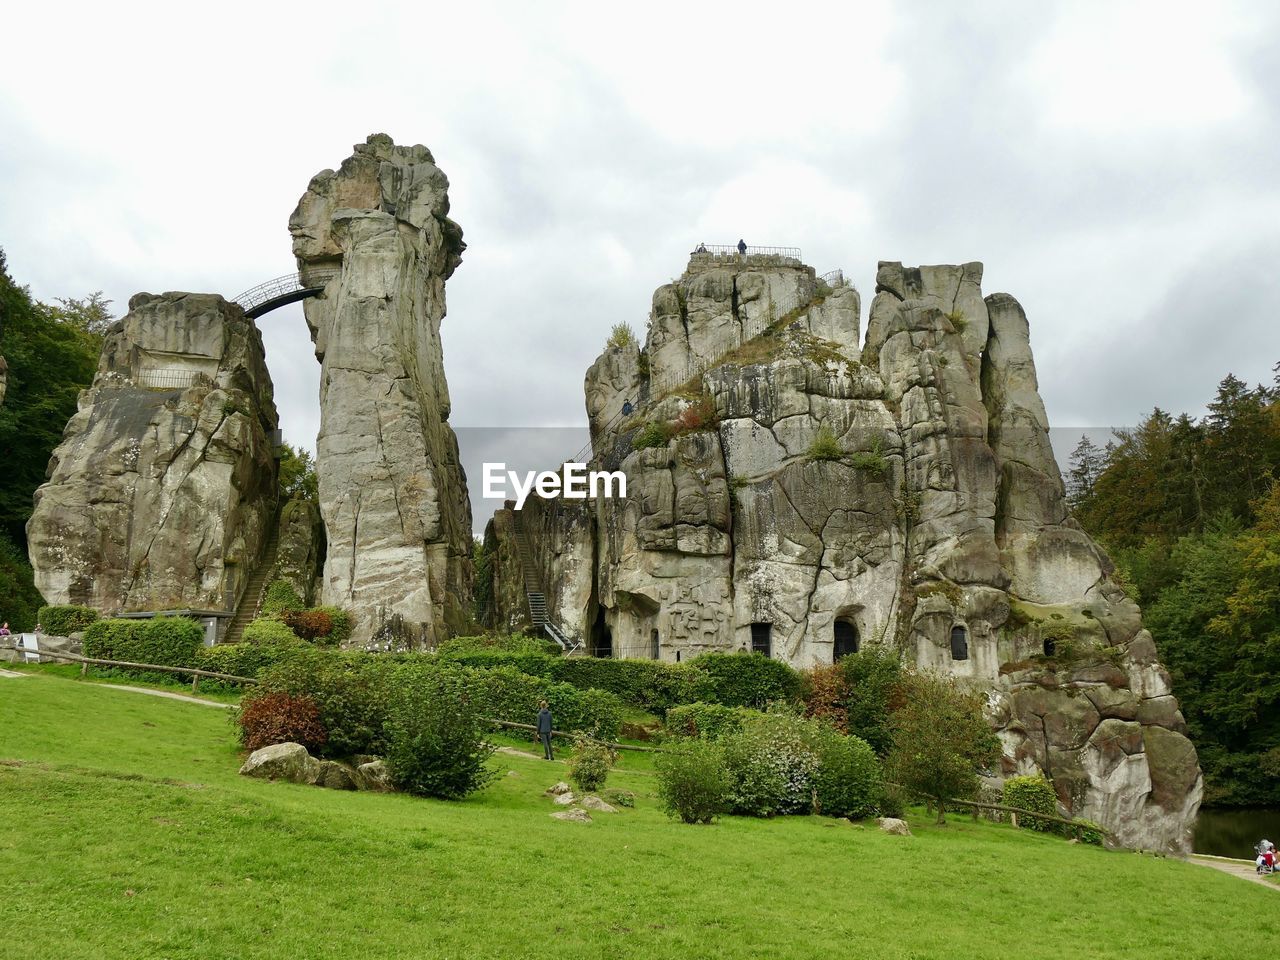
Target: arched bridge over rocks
280,291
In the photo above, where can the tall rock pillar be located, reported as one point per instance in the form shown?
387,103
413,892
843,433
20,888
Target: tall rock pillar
393,494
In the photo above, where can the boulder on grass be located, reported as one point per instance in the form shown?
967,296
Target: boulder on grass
282,761
564,799
590,802
576,815
558,789
894,826
338,776
375,776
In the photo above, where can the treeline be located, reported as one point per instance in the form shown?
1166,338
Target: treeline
1190,513
52,352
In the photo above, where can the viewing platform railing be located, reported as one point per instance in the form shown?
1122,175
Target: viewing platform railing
731,249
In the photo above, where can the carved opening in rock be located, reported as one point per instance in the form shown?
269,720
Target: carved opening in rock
677,656
762,638
959,643
846,639
656,651
601,637
1050,647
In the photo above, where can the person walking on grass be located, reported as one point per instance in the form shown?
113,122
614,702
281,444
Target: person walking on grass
544,729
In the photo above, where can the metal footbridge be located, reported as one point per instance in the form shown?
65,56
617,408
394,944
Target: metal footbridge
290,288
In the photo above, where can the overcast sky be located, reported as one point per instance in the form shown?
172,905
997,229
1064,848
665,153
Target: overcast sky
1115,165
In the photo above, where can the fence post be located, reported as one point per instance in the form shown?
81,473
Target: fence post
195,683
84,669
1013,819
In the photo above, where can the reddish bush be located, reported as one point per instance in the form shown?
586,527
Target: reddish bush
697,416
825,692
308,624
280,718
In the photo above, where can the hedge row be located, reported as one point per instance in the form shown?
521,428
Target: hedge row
734,680
66,619
165,641
357,693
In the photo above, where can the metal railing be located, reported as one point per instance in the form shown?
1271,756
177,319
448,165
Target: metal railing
731,249
167,379
279,288
834,279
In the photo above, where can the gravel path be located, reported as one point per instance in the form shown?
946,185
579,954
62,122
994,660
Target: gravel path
1244,869
166,694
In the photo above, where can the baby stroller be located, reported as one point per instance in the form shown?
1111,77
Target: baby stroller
1266,861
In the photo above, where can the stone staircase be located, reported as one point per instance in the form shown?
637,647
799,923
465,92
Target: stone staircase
251,600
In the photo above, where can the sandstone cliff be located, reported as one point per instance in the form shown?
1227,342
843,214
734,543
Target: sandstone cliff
792,493
392,491
164,484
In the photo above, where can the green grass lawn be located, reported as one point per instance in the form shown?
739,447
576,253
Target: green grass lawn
127,833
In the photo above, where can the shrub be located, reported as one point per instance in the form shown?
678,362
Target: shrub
164,641
872,689
1090,833
497,643
435,745
269,631
891,800
746,679
244,659
621,335
1037,795
824,690
825,446
872,459
940,740
653,434
621,798
771,764
847,782
699,415
62,621
709,720
589,764
280,718
340,625
313,625
693,781
280,596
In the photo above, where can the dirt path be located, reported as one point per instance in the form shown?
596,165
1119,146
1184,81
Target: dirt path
10,674
166,694
1244,869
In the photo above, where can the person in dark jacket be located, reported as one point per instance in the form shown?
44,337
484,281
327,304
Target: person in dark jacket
544,729
742,247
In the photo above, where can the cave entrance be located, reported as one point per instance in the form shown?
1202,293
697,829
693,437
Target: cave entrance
846,639
601,637
959,643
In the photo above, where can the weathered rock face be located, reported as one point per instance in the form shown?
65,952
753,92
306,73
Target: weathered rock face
392,491
164,484
300,553
816,497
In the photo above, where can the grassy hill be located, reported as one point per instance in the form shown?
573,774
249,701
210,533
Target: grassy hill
127,833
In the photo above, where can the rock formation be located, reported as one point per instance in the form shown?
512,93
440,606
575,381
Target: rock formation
163,487
791,493
392,491
300,551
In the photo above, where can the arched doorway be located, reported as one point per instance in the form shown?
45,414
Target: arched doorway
959,643
846,639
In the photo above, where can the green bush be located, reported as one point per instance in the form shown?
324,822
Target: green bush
280,597
1037,795
872,678
270,631
589,764
825,446
244,659
709,720
746,679
772,761
164,641
516,643
436,746
891,800
652,435
355,693
340,631
693,781
62,621
1090,833
847,782
19,598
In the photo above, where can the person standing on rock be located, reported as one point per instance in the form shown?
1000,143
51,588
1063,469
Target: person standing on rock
544,729
742,247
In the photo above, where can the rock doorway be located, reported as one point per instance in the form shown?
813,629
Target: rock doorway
845,639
